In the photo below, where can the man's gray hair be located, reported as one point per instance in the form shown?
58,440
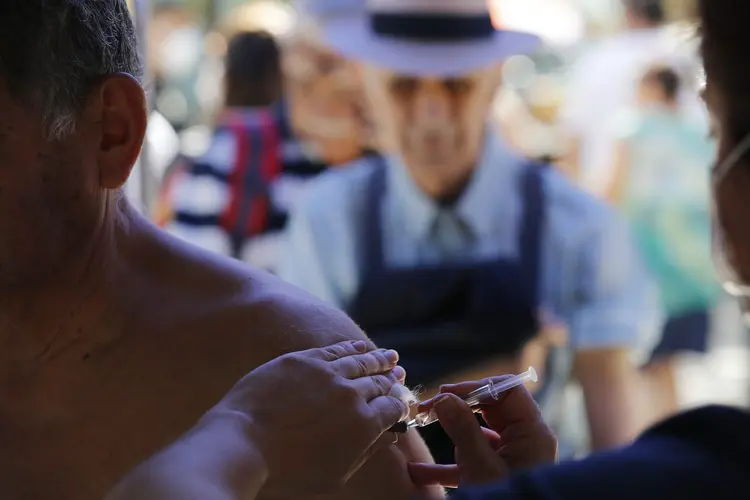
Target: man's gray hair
53,51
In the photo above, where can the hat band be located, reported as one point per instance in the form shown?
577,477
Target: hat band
432,27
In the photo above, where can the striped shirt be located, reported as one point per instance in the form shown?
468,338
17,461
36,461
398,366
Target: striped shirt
234,199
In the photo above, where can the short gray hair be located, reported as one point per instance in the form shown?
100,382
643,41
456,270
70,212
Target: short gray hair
53,51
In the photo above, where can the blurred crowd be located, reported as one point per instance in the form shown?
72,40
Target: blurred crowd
274,143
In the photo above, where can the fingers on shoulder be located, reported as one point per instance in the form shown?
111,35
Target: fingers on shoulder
337,351
362,365
387,411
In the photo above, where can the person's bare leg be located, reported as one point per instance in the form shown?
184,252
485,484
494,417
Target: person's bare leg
661,383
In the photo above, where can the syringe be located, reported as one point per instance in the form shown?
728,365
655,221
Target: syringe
476,397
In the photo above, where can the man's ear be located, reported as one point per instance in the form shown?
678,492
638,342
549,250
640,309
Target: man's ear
119,105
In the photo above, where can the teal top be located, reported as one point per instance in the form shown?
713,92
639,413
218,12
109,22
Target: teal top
666,199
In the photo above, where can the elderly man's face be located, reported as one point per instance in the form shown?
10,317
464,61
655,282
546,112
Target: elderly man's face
52,191
435,124
326,101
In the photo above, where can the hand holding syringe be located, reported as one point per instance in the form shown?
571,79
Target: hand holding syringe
475,398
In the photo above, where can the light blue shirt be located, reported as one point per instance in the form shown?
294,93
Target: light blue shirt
591,275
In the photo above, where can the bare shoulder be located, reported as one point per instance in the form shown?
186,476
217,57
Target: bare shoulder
254,315
285,318
240,318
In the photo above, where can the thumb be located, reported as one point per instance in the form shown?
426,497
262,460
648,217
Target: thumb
478,462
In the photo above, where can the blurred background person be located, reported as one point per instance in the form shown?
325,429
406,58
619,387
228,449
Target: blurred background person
233,199
223,200
323,89
452,248
661,166
604,81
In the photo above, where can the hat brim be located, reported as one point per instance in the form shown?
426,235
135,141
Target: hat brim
352,37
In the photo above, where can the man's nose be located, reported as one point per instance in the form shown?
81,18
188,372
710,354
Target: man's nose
432,108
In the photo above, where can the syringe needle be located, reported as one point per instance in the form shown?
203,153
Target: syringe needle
473,399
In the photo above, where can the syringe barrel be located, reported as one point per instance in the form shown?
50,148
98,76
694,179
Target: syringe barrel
498,388
477,396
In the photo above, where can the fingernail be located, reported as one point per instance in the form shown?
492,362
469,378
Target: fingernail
360,345
399,373
391,356
444,407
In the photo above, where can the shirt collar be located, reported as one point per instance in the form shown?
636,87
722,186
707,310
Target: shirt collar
480,204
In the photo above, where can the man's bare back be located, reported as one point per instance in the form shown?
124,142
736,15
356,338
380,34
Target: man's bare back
184,328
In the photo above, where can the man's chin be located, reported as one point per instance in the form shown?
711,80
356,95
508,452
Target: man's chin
432,159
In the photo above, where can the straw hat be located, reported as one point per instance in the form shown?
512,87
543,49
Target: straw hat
310,14
438,38
327,8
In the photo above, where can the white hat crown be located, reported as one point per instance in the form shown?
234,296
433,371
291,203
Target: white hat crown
430,20
328,8
456,7
426,37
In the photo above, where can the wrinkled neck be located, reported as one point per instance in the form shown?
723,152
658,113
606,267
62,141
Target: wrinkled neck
38,316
